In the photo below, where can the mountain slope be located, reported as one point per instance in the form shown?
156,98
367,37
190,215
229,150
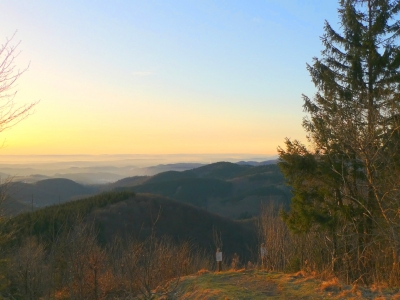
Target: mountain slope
180,221
128,181
220,170
231,190
48,191
128,215
195,191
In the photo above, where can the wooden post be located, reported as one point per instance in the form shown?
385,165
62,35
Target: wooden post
218,256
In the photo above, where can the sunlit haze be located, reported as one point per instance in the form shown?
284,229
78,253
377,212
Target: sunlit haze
162,77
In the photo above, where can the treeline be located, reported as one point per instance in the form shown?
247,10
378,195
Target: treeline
56,253
325,254
82,250
75,266
129,215
51,221
346,184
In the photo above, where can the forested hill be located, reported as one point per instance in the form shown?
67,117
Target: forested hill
46,192
180,221
229,189
127,215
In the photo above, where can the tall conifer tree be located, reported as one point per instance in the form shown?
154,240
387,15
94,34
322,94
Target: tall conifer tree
350,178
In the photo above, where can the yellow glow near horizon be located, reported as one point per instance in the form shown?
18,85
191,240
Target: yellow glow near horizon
138,77
83,119
115,79
55,132
35,137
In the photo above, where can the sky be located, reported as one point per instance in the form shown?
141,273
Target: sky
162,77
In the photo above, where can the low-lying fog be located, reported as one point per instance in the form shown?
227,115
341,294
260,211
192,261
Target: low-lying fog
97,169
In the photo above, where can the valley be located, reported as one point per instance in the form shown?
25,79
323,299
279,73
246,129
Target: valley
228,189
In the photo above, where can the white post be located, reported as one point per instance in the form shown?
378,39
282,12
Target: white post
218,257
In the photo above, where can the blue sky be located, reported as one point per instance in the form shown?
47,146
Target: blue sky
163,76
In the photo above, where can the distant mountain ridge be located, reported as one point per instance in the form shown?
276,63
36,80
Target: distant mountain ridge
94,174
104,174
256,163
230,189
47,192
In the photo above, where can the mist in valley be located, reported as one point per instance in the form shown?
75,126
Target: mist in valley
102,169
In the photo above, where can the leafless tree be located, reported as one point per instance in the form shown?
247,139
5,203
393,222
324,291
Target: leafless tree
28,270
10,112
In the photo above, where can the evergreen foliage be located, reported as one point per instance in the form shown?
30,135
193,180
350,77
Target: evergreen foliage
347,184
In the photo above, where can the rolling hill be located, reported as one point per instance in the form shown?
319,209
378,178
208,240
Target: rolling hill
178,220
228,189
126,215
47,192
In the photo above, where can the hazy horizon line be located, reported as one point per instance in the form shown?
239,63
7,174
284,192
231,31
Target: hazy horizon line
136,159
143,154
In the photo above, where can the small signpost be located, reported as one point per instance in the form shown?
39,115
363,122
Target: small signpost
218,256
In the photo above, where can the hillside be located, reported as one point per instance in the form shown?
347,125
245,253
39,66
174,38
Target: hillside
254,285
228,189
169,167
88,171
126,215
49,221
128,181
47,192
178,220
196,191
221,170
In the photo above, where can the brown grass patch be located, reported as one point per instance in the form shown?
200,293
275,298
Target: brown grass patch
202,271
300,274
235,271
201,294
355,290
396,296
332,285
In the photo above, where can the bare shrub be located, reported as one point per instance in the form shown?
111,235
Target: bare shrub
286,251
28,270
76,266
235,263
86,274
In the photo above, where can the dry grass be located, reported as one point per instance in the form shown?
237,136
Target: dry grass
202,271
252,284
332,285
203,294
